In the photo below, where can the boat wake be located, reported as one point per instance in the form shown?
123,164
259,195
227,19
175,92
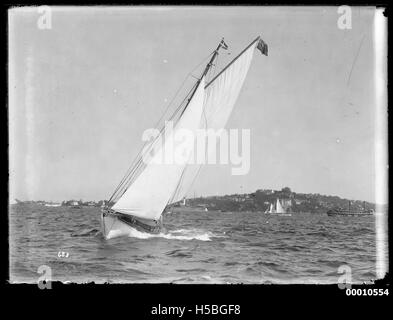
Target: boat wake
178,234
86,233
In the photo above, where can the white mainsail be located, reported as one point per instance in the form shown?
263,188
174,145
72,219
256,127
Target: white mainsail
149,187
220,97
149,194
279,208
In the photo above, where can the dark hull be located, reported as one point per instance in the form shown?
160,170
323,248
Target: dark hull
348,213
117,224
139,224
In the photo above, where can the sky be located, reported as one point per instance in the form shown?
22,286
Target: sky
82,92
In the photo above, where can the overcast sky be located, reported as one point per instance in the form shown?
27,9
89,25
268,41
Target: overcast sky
82,93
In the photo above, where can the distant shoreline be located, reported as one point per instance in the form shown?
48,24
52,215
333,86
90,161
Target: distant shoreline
258,201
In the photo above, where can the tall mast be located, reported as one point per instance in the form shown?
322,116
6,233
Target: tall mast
207,68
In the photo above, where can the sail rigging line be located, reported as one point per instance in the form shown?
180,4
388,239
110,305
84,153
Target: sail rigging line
137,169
177,188
125,177
205,107
205,73
214,67
122,188
193,180
128,171
184,81
128,179
147,197
207,68
211,72
134,166
193,90
134,177
230,63
210,69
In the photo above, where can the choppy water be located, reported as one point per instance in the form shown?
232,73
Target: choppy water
198,247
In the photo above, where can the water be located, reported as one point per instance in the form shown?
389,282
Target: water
198,247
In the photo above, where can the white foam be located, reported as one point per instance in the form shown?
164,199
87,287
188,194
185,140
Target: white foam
179,234
117,233
201,237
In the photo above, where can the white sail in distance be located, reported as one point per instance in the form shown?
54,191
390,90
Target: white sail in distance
149,194
279,208
220,97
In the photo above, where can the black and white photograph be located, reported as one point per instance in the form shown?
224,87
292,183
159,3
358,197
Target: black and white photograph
197,145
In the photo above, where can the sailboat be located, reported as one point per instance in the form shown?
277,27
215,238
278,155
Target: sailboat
149,186
270,209
277,209
280,210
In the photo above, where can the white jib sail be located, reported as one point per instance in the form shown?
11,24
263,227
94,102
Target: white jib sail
220,97
148,196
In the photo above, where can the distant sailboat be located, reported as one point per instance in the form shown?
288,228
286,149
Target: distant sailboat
75,205
280,210
270,209
277,209
146,190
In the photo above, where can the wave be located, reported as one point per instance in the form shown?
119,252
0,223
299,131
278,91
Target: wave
180,253
199,279
179,234
231,263
191,270
86,233
131,267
